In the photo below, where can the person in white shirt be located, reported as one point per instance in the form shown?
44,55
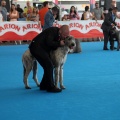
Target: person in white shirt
1,16
87,14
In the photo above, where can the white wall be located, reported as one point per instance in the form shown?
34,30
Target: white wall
22,3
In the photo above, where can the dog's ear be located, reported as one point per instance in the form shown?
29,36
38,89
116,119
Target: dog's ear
69,37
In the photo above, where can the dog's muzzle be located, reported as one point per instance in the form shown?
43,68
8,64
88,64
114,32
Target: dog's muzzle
72,46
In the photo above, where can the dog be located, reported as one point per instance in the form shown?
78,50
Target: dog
77,48
58,58
116,34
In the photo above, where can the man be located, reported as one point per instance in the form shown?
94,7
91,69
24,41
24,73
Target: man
50,17
1,17
108,23
97,12
28,10
20,10
43,11
40,47
4,10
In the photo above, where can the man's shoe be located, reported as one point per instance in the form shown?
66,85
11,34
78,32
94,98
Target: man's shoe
112,48
54,90
105,49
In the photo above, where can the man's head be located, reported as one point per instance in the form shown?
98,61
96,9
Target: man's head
96,5
28,3
64,31
55,10
18,5
114,10
3,3
45,4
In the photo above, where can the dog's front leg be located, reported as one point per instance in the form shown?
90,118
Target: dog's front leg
118,45
35,73
56,75
61,78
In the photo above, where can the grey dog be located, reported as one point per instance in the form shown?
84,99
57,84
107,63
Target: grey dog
116,34
58,58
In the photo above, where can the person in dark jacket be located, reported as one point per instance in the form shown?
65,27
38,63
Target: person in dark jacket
40,47
108,23
49,18
20,11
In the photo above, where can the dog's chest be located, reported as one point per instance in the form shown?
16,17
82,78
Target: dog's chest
59,56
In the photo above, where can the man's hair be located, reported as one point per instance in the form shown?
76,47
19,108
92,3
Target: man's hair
55,9
45,3
115,8
86,8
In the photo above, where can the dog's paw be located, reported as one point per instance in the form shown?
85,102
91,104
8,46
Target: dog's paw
62,87
38,85
27,87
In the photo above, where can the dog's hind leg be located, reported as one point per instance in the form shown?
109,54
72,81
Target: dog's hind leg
35,73
56,75
118,41
26,73
61,78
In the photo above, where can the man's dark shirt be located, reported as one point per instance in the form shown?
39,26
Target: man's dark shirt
48,40
20,11
106,26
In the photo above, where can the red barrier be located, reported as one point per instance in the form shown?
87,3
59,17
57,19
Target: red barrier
24,30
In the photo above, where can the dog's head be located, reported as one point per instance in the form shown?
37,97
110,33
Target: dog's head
70,42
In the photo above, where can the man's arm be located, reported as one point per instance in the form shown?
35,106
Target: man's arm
52,42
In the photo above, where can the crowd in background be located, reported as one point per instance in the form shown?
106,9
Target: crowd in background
30,13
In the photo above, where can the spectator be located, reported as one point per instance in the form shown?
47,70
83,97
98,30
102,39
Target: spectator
97,12
65,17
27,10
87,14
4,10
42,12
113,4
108,23
73,14
50,17
20,11
40,48
14,15
34,16
1,17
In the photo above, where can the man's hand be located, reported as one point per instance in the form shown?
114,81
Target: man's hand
62,42
112,25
